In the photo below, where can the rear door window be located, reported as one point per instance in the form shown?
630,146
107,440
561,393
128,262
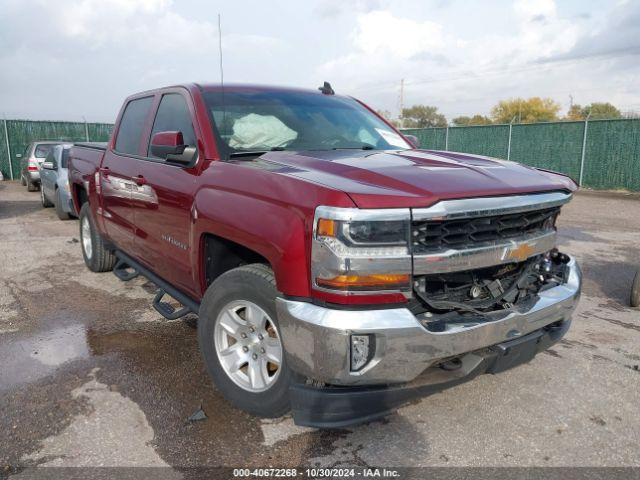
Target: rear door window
131,125
51,158
173,116
65,158
43,150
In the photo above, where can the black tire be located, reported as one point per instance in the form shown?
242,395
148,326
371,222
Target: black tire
23,182
635,291
254,283
44,200
101,259
31,187
62,215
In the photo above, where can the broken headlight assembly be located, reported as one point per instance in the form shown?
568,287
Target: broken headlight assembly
359,251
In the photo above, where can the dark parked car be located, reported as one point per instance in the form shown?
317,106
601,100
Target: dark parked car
54,181
30,163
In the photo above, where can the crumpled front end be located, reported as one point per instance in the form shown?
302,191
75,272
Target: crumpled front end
483,272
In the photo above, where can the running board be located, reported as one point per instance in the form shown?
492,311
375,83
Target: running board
168,311
124,271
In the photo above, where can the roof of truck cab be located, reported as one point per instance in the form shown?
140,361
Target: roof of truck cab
230,87
263,88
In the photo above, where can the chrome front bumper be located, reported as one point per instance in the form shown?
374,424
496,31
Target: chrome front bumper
317,339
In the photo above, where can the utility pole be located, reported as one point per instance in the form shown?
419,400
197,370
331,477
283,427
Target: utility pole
401,115
570,102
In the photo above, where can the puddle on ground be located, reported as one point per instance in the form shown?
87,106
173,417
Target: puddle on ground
25,360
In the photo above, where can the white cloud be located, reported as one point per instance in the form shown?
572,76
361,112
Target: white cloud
442,66
380,33
81,57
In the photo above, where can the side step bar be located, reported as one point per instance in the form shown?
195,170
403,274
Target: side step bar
124,271
127,268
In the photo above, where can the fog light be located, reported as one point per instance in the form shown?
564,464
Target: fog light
361,351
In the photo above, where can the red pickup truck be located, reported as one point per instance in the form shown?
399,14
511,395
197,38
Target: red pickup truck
337,270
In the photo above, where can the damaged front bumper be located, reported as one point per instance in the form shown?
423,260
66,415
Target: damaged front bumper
317,340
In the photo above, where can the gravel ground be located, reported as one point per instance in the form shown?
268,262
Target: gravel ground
92,376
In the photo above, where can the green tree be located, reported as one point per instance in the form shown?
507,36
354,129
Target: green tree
574,113
602,110
475,120
599,110
531,110
386,114
422,116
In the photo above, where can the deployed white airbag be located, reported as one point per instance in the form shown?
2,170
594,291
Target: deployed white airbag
261,132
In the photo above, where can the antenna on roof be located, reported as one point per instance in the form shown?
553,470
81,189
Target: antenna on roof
220,50
224,110
326,89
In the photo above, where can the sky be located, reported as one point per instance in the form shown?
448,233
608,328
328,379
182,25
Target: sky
75,59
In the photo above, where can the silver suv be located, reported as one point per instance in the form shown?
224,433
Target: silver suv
30,163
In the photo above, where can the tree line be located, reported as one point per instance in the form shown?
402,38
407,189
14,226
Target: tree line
514,110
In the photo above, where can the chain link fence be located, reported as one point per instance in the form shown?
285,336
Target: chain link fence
17,134
599,154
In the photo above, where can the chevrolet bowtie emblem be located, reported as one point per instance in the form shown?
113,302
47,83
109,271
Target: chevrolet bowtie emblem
521,252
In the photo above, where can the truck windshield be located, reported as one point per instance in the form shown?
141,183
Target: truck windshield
264,121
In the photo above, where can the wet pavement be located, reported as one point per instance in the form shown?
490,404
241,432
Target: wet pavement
91,375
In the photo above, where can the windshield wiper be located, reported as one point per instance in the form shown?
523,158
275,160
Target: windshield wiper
247,154
256,153
366,146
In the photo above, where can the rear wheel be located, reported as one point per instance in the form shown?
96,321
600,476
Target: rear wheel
241,342
96,257
635,291
45,201
23,182
62,215
31,187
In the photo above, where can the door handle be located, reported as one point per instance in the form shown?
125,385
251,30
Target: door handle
140,180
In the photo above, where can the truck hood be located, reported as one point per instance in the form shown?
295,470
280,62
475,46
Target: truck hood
415,178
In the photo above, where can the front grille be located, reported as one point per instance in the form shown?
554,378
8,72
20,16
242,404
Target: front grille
437,235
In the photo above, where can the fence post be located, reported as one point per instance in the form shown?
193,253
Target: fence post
6,139
509,142
446,138
86,130
584,148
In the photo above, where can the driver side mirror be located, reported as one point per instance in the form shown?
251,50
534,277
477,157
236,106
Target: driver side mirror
170,147
48,166
413,140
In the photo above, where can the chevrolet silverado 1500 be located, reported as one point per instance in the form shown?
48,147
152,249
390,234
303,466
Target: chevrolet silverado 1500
337,270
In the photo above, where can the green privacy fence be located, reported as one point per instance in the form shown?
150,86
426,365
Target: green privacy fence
602,154
17,134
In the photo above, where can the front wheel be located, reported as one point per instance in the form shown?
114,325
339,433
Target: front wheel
96,257
241,342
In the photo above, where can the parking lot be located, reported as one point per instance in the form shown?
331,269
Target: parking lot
92,376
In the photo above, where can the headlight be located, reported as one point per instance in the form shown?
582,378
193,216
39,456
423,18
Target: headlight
361,251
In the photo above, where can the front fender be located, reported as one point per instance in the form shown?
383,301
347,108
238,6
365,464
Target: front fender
272,229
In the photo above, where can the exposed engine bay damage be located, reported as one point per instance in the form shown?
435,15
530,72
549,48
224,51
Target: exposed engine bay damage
469,296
